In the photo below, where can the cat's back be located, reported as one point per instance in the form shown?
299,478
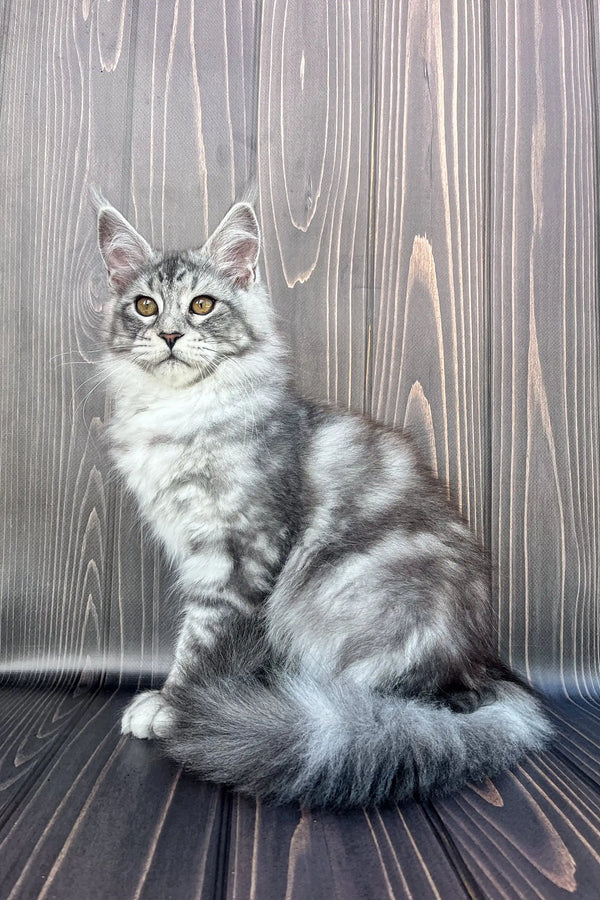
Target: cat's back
383,568
355,463
366,482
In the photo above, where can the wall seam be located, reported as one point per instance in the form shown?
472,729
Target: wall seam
593,50
487,274
371,214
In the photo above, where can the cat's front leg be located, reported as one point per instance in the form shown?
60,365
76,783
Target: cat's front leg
149,714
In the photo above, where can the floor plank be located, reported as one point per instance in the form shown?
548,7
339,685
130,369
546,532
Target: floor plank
298,854
534,832
83,809
578,736
33,725
106,818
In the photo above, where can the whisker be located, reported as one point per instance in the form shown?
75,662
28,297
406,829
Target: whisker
72,351
95,352
103,375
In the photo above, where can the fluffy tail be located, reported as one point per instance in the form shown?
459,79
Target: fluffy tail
341,746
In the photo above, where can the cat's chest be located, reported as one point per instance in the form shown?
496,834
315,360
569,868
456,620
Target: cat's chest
163,472
188,487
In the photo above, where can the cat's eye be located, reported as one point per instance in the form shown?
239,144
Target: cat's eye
202,305
146,306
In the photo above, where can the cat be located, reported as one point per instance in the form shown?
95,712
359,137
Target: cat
337,647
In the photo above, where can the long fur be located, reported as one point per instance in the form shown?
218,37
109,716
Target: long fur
287,737
337,647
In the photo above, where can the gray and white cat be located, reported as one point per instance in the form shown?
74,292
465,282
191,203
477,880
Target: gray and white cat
337,647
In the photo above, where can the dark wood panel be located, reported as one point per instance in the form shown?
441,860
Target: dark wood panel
544,329
54,799
533,833
313,177
193,830
298,854
33,725
98,815
578,723
107,817
428,347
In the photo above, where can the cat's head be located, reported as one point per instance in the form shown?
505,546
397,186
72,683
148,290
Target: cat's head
179,316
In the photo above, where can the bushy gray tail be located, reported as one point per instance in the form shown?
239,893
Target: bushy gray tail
338,745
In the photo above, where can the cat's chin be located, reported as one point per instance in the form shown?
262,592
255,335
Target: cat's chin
176,373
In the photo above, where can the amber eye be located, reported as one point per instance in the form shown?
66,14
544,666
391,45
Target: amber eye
202,305
146,306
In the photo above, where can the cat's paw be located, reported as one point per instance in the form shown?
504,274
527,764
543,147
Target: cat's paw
147,716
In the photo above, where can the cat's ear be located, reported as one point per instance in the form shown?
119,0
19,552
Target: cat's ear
234,247
124,250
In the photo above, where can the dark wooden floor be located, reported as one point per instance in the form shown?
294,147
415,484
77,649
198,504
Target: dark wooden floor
86,813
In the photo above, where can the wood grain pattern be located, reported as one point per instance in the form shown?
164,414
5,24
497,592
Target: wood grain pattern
313,177
428,344
297,854
33,725
428,184
54,476
579,726
544,330
537,835
410,266
131,104
109,817
104,812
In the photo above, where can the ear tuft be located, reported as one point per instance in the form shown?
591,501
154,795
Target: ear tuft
235,245
124,250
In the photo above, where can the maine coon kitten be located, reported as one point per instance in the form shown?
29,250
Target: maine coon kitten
337,645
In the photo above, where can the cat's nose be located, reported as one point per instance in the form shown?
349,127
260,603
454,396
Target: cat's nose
171,337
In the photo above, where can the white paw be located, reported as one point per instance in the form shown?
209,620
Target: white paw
147,716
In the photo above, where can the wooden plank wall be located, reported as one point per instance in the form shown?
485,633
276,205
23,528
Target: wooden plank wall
428,188
544,337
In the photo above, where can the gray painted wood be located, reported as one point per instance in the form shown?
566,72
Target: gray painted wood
427,179
314,156
544,334
429,343
427,182
56,539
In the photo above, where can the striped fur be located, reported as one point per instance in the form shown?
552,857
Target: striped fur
337,646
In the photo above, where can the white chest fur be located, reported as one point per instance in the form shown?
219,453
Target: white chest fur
191,463
184,487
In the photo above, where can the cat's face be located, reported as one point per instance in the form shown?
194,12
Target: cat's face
177,317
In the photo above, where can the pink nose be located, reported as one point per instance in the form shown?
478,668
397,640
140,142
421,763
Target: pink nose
171,338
